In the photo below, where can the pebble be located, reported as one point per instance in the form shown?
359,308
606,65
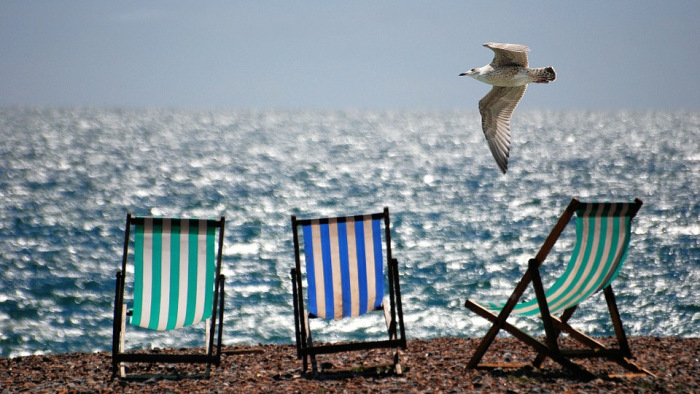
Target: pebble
434,365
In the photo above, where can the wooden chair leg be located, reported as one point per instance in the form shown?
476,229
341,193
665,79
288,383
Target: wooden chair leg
309,346
537,363
526,338
500,320
207,335
122,335
617,322
533,266
397,361
485,341
392,332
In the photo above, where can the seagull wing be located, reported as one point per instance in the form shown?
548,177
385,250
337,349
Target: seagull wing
508,54
496,108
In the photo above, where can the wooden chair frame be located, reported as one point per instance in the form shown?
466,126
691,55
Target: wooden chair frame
394,315
214,328
554,326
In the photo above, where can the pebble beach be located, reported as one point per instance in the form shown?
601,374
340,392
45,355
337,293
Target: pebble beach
432,365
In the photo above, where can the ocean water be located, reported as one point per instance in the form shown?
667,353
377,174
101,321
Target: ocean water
460,229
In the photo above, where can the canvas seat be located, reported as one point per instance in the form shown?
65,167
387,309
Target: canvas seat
177,282
602,242
345,273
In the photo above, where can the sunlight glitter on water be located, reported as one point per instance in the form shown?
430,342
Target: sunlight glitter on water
460,229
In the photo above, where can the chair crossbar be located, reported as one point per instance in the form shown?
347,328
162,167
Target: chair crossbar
352,346
168,358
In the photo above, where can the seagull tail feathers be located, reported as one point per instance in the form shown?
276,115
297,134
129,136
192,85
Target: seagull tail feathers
543,75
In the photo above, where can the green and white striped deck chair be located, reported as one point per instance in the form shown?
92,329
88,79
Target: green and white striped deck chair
345,274
177,282
602,241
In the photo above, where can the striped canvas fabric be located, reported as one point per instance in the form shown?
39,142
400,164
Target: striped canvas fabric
174,271
344,266
602,240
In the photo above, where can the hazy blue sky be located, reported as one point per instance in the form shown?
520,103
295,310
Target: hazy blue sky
349,54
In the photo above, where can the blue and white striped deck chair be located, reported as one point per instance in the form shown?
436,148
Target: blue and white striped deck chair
602,241
345,276
177,282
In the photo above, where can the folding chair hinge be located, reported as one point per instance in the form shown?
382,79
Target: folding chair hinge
533,264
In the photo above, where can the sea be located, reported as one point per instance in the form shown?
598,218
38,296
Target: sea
460,229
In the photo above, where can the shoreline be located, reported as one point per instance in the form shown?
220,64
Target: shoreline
437,365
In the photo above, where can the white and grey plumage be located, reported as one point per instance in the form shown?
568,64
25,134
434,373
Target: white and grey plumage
509,74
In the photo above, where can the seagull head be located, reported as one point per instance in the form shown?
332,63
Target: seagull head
471,73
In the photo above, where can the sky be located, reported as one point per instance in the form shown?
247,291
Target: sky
343,54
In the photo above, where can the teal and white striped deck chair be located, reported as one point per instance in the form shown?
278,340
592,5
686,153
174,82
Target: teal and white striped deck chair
345,276
602,242
177,282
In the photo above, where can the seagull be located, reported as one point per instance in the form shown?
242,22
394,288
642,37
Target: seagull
509,74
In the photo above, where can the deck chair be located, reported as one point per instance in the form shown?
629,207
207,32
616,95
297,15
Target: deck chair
345,276
177,282
602,241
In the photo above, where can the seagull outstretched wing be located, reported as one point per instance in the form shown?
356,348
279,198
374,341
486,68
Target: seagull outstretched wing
496,109
508,54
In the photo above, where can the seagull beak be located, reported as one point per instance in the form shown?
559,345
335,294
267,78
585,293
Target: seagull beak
463,74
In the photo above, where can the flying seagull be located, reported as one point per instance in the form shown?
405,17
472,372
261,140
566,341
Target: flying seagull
509,74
